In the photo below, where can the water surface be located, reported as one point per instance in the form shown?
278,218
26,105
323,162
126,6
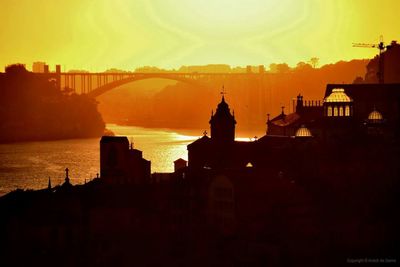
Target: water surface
28,165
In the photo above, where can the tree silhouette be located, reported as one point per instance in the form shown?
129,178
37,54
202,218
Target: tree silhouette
314,61
16,69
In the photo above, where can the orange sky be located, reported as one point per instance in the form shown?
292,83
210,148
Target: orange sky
101,34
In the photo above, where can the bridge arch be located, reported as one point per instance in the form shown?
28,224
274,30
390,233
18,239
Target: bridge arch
114,84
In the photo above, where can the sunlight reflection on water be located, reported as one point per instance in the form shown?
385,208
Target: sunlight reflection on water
29,164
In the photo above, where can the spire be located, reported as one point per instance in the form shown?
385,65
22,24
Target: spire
49,184
223,93
222,122
267,117
283,110
223,105
66,175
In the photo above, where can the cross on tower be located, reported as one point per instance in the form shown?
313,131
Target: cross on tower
223,92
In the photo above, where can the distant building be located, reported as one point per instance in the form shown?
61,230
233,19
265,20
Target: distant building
38,67
121,164
210,68
249,69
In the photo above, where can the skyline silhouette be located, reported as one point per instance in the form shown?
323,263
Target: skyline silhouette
304,194
199,133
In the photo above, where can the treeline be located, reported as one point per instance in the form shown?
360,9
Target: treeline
33,108
225,68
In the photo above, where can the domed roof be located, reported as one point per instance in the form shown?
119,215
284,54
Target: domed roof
338,95
223,103
303,132
375,116
223,112
223,106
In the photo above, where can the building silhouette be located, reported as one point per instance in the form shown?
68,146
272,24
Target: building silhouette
389,63
319,188
39,67
120,163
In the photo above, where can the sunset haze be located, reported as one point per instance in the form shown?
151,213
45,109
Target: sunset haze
98,35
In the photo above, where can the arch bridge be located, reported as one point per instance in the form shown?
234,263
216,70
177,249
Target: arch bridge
95,84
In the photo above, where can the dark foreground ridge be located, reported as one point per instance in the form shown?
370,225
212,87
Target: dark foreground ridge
319,189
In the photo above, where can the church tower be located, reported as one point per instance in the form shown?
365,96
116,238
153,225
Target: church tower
222,124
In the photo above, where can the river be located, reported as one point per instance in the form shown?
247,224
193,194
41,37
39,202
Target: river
29,165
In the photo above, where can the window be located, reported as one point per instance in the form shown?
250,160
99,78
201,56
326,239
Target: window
347,111
335,111
340,111
329,111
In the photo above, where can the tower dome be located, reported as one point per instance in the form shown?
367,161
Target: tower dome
375,116
338,95
303,132
223,124
223,106
338,104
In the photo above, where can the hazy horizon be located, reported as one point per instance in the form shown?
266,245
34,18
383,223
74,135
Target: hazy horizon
123,34
233,68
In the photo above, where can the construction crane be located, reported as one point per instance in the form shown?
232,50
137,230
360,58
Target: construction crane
381,46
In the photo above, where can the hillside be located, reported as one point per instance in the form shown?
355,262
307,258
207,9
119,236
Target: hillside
33,109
